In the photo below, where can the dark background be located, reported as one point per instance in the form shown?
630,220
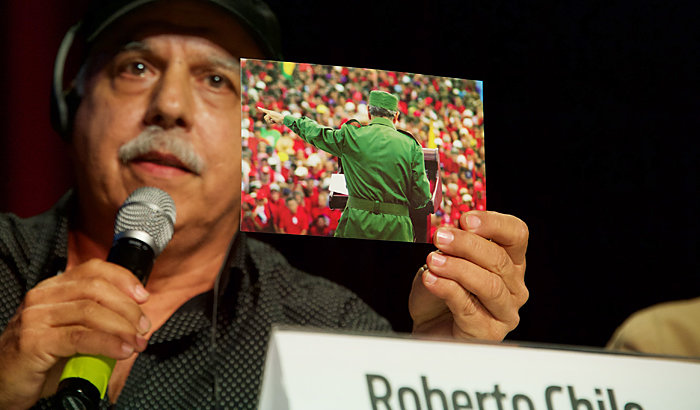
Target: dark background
591,112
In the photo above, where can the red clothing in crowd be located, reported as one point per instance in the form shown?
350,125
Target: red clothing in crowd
315,212
309,203
479,195
461,183
286,173
294,223
314,230
275,209
332,214
335,218
247,222
268,170
455,214
299,145
253,147
464,207
263,192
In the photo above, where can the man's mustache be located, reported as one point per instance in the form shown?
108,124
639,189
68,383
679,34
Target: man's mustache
156,139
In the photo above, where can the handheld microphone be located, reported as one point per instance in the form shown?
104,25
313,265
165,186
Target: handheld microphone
143,227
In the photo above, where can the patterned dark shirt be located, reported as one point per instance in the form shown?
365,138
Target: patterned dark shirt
178,369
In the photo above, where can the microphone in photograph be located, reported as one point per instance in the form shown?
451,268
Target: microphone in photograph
143,227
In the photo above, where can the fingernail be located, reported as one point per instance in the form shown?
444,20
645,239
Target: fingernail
437,259
127,348
141,293
141,342
430,278
444,237
473,221
144,324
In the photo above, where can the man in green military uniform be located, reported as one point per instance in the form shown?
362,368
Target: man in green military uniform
384,169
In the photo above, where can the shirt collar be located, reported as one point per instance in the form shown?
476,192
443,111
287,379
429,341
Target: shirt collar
382,121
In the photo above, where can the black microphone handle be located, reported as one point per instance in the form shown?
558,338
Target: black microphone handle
133,254
82,386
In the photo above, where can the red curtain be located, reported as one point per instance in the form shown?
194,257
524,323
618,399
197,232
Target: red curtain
34,169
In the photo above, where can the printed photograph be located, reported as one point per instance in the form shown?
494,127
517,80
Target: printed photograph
358,153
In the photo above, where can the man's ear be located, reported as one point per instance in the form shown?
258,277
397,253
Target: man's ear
396,116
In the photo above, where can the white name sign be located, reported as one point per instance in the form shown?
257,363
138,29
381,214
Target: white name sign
306,370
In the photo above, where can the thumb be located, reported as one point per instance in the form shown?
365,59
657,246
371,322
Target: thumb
423,305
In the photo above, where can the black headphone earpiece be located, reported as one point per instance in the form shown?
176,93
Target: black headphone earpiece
64,102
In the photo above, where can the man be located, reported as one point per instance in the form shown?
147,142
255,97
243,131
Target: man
384,169
669,328
294,219
158,104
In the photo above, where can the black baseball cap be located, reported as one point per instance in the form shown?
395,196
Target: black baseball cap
255,16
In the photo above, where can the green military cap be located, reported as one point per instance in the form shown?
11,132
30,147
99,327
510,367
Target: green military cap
383,99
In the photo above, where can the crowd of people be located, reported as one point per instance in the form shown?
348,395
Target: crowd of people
285,185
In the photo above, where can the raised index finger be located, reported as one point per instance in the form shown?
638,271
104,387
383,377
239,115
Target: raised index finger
506,230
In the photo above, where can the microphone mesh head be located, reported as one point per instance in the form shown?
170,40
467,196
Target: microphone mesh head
148,210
